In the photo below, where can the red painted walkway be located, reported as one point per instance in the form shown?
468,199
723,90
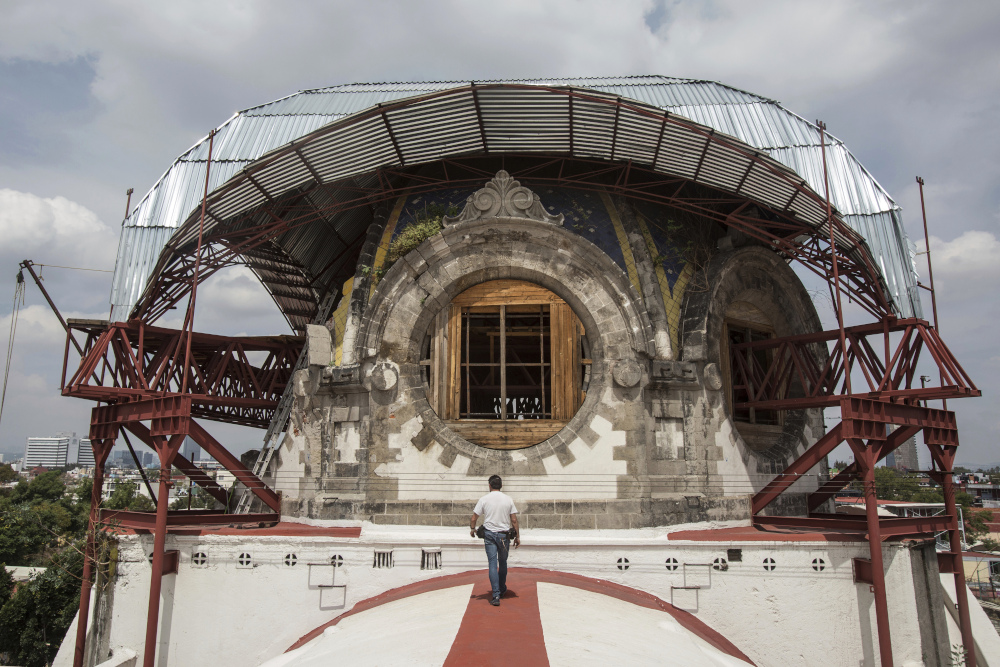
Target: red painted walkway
510,634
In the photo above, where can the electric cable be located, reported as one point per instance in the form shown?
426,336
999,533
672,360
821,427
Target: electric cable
15,311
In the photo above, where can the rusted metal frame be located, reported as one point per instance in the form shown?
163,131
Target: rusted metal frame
863,298
193,473
138,465
131,367
245,364
869,360
944,367
218,365
308,166
769,384
160,361
746,174
192,300
810,458
90,361
569,98
864,457
946,352
830,488
834,260
905,352
166,450
888,527
27,265
944,456
614,129
234,465
861,359
258,186
927,244
101,449
479,117
806,366
182,518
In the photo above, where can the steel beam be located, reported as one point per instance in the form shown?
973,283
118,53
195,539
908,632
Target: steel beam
101,450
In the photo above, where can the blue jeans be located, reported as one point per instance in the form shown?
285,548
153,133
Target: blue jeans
497,546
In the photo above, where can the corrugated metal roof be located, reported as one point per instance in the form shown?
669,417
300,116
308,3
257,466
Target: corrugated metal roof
532,123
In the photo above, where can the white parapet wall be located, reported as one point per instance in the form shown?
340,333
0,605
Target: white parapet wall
244,597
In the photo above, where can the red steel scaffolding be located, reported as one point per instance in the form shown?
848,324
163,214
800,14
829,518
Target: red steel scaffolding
140,373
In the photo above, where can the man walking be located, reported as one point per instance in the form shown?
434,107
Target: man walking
499,514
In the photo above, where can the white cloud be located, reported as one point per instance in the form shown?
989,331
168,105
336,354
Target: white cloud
973,254
54,231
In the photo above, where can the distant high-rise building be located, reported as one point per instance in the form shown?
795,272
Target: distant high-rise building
906,455
46,452
85,454
190,450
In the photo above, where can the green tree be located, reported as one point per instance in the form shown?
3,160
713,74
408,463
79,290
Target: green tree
890,484
927,496
976,525
34,620
7,474
126,497
47,486
6,585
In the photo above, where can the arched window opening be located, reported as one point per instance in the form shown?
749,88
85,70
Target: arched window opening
506,364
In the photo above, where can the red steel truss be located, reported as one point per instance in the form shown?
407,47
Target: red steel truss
125,362
801,372
144,374
225,245
794,376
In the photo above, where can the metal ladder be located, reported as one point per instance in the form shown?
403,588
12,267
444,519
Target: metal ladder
281,414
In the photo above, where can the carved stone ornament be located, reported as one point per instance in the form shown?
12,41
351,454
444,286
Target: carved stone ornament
503,197
627,373
384,376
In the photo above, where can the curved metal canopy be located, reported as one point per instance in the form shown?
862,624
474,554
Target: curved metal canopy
254,219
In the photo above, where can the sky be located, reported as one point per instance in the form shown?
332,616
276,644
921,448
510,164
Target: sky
101,96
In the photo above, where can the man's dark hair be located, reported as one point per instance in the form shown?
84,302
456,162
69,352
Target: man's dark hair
496,482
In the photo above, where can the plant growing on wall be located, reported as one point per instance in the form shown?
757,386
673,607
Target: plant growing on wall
426,223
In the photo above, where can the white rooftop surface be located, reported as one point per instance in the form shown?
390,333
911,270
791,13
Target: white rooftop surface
586,628
580,628
423,629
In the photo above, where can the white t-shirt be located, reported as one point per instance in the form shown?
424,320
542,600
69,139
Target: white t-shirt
495,508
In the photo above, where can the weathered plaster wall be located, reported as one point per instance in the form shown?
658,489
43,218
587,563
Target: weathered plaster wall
794,614
364,443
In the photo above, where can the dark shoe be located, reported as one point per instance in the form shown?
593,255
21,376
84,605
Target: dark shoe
495,602
503,592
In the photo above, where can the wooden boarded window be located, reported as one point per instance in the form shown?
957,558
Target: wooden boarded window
505,364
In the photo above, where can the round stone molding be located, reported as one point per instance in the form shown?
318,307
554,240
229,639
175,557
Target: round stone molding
384,376
421,284
627,373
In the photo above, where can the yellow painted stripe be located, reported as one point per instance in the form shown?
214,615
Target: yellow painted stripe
672,301
633,275
383,245
340,322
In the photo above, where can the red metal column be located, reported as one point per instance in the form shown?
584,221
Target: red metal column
865,456
961,596
101,450
165,450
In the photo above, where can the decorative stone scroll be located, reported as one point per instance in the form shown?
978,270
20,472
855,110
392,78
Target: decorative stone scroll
503,197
